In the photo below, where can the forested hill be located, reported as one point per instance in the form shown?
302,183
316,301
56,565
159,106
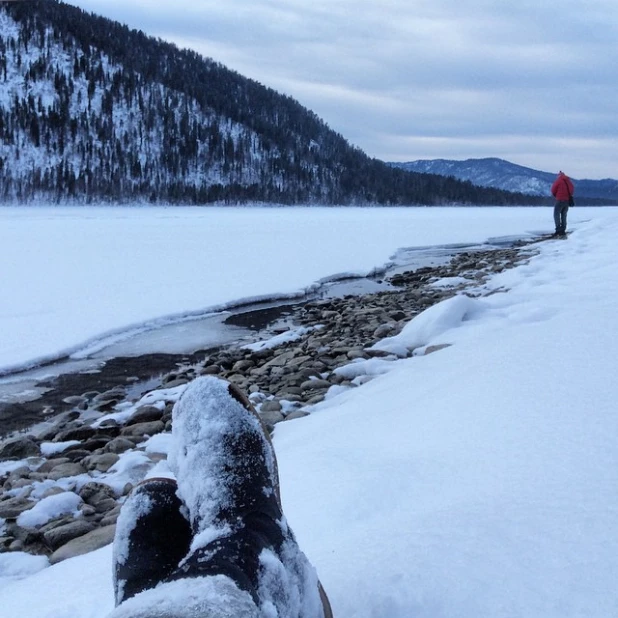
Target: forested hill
93,111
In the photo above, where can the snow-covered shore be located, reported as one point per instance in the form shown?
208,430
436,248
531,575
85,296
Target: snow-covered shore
478,480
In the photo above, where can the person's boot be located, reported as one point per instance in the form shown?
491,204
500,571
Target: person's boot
227,477
152,537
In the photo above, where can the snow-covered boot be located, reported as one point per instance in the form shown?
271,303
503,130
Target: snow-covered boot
227,477
152,537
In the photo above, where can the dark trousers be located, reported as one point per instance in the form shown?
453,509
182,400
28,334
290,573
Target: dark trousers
560,216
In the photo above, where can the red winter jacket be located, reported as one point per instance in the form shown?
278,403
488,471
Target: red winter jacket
561,188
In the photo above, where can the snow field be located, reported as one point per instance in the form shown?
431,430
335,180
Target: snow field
479,480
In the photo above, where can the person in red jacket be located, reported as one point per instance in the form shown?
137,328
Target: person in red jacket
562,190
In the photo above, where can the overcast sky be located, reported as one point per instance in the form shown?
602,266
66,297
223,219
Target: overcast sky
531,81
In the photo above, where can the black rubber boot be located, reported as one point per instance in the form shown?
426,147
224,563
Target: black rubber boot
152,537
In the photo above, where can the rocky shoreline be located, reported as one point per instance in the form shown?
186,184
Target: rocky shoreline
61,489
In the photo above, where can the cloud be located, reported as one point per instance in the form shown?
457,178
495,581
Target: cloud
408,79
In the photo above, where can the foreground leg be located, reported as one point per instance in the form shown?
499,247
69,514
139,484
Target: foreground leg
227,477
152,537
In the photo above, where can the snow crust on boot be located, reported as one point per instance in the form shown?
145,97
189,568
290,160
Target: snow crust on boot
221,457
203,597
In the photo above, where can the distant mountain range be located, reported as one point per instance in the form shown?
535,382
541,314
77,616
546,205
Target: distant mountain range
501,174
92,111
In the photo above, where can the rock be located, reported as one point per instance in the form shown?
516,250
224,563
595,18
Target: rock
296,414
74,400
105,505
329,314
290,390
36,476
357,353
105,406
315,399
291,398
50,464
66,469
384,330
300,360
377,353
77,401
270,419
145,414
111,517
90,395
102,462
117,393
52,491
90,445
243,365
210,370
257,397
17,545
313,385
19,448
237,378
63,534
82,545
13,507
280,360
119,445
17,474
274,405
90,491
76,455
18,484
307,373
85,432
87,510
108,424
143,429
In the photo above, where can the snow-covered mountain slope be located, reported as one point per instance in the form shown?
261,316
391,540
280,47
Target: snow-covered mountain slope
501,174
93,111
75,121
